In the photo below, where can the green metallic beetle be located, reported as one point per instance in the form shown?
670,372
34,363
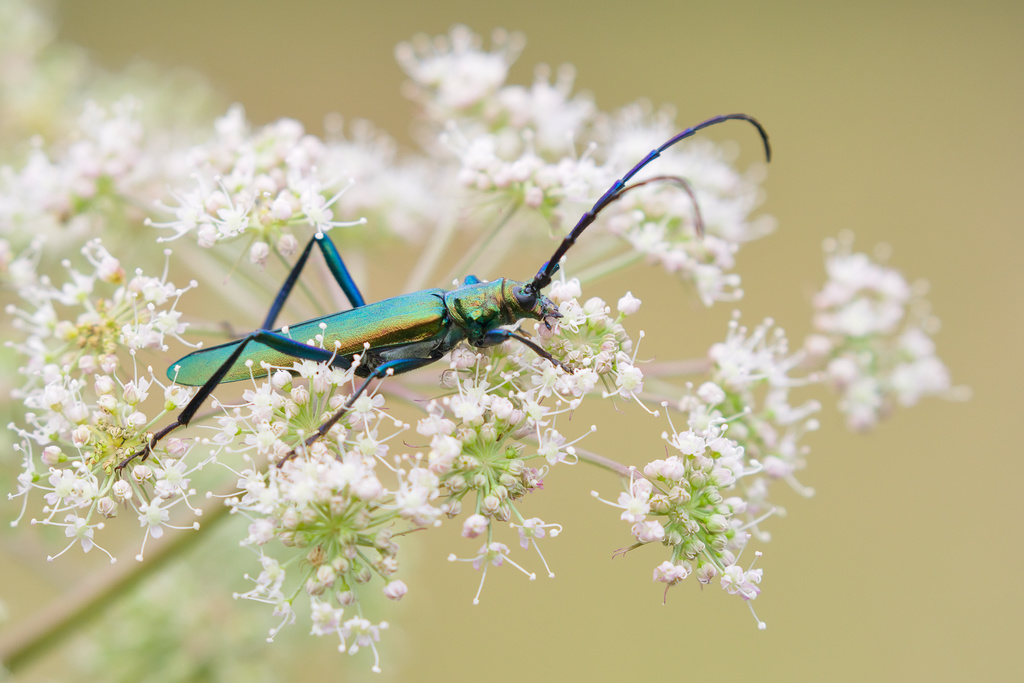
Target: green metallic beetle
402,333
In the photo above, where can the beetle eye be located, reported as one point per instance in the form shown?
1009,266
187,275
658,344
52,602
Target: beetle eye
525,298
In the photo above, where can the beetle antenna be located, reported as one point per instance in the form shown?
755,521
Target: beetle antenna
543,277
698,219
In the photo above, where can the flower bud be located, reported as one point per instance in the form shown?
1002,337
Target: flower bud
474,526
141,473
503,513
288,244
177,447
106,506
710,393
628,304
394,590
104,385
52,455
258,253
717,524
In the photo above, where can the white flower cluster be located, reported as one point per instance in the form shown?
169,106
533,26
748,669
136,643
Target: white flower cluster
490,443
521,143
874,337
69,188
706,499
264,183
338,503
80,412
749,388
325,519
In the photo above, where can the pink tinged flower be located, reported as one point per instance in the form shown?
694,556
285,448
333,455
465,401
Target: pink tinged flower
63,483
394,590
261,531
259,252
365,405
551,447
443,451
777,468
726,448
628,378
79,529
282,210
467,410
367,487
474,526
122,490
628,304
171,480
688,443
494,553
106,506
273,574
325,617
573,316
635,506
177,447
503,409
648,532
104,384
710,393
911,381
52,455
671,573
136,420
735,581
435,424
153,516
362,633
706,573
670,469
534,529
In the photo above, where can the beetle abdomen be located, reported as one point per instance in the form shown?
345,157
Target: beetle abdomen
405,319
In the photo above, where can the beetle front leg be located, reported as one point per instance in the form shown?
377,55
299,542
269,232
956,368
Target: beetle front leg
500,335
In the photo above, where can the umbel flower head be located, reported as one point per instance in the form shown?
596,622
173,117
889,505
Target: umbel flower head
330,479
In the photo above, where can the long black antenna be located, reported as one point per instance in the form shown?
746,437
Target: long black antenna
543,277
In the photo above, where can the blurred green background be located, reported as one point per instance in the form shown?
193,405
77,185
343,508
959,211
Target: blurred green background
900,121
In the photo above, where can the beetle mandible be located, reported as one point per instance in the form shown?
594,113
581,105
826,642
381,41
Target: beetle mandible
402,333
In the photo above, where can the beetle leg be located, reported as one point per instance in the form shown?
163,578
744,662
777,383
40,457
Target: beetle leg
334,263
274,340
396,366
495,337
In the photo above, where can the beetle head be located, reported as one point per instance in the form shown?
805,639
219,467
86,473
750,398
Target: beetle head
527,302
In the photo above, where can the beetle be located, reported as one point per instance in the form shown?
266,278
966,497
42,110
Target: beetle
402,333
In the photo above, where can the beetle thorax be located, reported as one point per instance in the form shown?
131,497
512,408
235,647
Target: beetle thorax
483,306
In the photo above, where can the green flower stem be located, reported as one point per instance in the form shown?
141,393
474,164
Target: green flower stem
25,642
677,368
467,261
431,256
602,462
607,267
